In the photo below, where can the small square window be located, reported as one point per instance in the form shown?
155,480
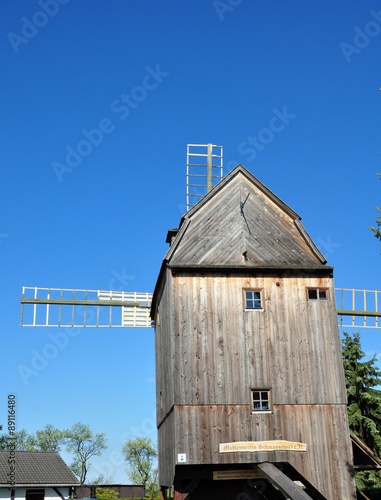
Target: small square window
253,299
260,400
317,293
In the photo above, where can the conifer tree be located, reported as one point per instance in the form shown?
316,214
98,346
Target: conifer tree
364,401
377,229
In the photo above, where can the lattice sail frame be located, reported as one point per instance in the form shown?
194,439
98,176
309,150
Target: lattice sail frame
358,308
204,170
61,307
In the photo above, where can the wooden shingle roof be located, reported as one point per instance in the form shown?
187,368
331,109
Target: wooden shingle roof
36,468
241,223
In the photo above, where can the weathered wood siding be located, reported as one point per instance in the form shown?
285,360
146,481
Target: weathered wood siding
211,352
165,362
199,430
219,351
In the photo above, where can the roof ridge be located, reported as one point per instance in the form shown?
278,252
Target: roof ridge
30,451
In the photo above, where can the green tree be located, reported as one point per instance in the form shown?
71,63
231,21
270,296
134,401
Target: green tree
364,401
106,494
84,445
21,441
140,455
49,439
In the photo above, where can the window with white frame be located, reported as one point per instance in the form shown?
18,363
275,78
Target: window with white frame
260,400
253,299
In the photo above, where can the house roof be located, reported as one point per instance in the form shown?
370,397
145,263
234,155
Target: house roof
35,468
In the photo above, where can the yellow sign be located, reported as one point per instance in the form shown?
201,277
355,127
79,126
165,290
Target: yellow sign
252,446
237,474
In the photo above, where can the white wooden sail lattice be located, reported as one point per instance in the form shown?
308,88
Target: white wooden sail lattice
84,308
357,308
204,170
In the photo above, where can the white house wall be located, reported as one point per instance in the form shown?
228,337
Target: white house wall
50,494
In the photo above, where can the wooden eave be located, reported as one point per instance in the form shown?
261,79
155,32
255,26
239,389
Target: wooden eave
325,270
309,241
158,288
164,265
40,485
171,235
363,457
321,270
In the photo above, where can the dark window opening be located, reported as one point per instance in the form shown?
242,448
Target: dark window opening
35,495
317,294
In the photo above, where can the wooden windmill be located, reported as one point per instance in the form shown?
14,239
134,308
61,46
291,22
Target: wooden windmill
251,399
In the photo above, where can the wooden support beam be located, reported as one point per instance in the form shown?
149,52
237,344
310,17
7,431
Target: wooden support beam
353,312
283,482
86,302
180,495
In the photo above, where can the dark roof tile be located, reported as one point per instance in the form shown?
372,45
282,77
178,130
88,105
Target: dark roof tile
37,468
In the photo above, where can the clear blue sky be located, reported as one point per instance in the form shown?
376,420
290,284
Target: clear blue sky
154,76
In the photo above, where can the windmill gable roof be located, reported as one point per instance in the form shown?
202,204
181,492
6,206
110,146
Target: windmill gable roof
36,468
242,223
